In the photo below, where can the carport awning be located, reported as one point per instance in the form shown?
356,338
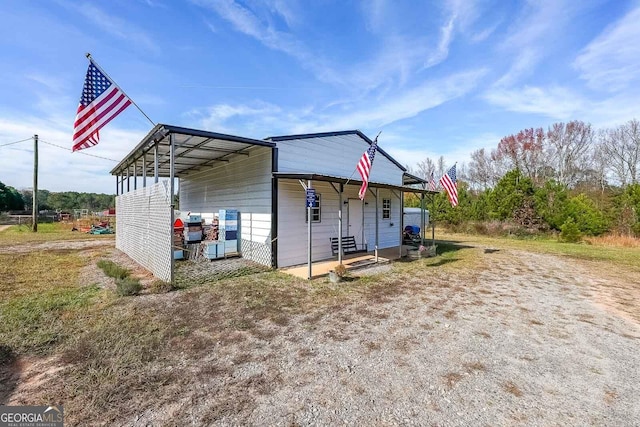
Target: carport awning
342,180
194,149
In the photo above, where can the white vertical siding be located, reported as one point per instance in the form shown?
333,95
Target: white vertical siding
255,231
388,229
244,183
292,227
334,156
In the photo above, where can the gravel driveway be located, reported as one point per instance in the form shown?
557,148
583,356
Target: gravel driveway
522,339
509,338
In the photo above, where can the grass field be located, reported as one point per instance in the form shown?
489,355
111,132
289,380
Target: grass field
625,253
21,234
113,355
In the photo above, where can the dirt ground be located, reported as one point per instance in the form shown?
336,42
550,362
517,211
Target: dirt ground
515,338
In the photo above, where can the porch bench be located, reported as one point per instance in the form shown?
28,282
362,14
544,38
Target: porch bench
349,245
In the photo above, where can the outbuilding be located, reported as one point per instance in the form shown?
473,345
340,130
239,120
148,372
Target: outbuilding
266,182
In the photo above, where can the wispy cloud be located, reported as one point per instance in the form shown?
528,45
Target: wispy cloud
399,56
287,10
457,149
82,171
51,83
555,102
117,27
248,23
524,63
530,37
412,101
484,34
612,61
442,50
262,117
252,120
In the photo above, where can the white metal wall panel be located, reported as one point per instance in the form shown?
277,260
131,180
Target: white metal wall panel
292,227
144,229
244,183
335,156
388,229
255,231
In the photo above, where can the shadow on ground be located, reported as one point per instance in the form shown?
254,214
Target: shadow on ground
443,261
9,373
446,246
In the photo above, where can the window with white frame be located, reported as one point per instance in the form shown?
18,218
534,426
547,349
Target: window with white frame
315,211
386,208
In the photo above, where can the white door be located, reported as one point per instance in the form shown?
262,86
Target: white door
354,221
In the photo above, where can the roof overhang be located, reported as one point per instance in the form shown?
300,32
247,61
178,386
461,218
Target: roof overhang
409,179
194,149
342,180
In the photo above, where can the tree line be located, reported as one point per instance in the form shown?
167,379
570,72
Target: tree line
569,178
66,201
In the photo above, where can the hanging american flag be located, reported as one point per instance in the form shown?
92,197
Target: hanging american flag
364,167
432,183
448,182
101,101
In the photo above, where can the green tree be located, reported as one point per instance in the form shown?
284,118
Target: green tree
570,232
509,195
10,198
551,203
586,215
626,210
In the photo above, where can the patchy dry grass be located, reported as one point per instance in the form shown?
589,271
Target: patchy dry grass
614,240
510,387
613,254
21,234
451,379
472,367
39,299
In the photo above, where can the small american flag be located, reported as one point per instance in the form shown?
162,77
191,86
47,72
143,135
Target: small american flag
364,167
432,183
448,182
101,101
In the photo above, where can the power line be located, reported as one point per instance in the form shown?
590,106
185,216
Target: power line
80,152
16,142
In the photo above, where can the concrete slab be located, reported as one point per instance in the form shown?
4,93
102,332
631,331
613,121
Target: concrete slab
351,262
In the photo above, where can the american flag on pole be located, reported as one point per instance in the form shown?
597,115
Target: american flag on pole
448,182
432,183
101,101
364,167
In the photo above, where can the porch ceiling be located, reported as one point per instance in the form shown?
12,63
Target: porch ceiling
194,149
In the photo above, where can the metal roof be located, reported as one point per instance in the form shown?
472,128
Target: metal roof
339,133
342,180
409,179
194,149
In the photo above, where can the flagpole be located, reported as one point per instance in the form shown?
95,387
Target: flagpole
90,58
356,168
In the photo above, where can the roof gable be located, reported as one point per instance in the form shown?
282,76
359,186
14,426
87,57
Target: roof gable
338,133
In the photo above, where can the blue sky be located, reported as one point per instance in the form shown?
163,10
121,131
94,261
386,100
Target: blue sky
437,78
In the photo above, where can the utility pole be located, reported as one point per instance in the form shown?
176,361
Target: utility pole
34,226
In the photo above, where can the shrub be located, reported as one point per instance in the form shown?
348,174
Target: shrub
128,286
586,215
570,231
340,270
112,269
161,287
